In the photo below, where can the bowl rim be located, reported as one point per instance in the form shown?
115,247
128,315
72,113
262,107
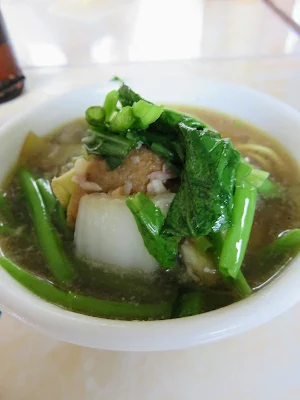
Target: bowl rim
57,322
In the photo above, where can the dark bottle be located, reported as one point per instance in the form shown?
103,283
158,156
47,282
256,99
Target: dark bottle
11,77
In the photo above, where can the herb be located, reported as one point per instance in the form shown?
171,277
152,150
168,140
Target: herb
150,220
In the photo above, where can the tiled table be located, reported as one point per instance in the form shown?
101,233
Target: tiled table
261,364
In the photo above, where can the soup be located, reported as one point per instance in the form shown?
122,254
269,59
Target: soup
141,212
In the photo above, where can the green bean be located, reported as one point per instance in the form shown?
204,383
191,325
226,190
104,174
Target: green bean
85,304
58,263
237,236
190,304
5,210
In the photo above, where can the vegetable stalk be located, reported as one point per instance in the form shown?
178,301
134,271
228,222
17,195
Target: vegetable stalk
86,304
60,266
190,304
237,236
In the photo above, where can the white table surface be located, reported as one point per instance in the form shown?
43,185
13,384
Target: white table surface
261,364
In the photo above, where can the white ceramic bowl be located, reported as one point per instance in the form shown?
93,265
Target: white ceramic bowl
269,114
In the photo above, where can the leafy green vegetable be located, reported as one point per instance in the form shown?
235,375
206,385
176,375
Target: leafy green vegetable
204,201
95,115
163,151
123,120
150,220
113,162
127,96
270,189
202,244
239,284
147,113
214,244
103,143
57,260
257,177
286,246
55,209
190,304
112,123
87,304
117,79
237,236
110,104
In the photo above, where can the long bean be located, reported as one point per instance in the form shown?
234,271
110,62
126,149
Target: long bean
86,304
58,263
237,236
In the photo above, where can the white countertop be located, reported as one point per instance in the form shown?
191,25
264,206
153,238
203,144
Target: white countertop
261,364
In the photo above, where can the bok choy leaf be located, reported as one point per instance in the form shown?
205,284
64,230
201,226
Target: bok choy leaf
150,220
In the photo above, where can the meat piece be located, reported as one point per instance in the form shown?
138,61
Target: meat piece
133,173
136,168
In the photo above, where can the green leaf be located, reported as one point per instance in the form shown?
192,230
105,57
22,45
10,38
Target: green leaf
103,143
163,151
117,79
203,203
127,96
202,244
113,162
150,220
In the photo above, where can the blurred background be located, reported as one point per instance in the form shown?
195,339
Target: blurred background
254,42
76,33
61,44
